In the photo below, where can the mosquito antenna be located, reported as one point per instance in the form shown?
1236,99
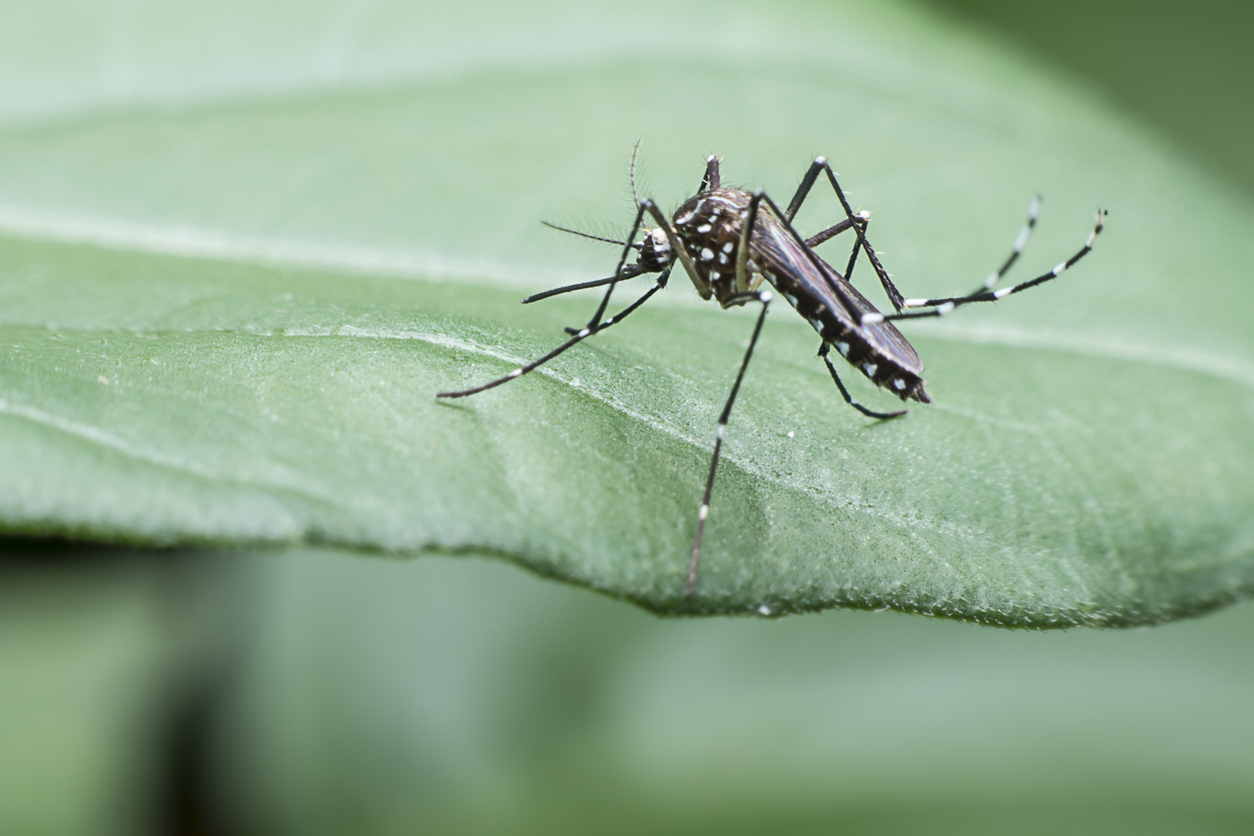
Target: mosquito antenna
631,171
584,234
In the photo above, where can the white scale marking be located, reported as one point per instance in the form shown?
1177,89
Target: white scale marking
722,258
585,332
728,247
704,228
870,369
899,383
684,219
707,254
1005,291
843,348
913,303
872,318
722,428
989,282
945,308
514,373
703,513
1023,238
1060,268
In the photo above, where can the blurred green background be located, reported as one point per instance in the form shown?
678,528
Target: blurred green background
317,692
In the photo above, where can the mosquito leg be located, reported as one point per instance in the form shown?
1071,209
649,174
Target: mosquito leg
853,256
803,190
579,336
742,251
619,272
940,307
626,271
886,281
996,276
833,231
1034,211
765,298
818,167
823,350
677,246
813,241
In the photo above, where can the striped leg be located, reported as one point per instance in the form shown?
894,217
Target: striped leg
820,166
578,337
765,298
940,307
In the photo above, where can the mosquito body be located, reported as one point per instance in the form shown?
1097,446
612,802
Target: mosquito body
730,242
711,225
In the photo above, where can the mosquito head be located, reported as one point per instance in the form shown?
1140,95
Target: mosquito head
655,252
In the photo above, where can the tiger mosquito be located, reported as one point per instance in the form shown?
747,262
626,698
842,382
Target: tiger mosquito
731,241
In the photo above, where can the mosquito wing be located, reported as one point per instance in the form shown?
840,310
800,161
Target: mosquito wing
813,283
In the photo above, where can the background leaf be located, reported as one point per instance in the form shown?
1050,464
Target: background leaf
228,299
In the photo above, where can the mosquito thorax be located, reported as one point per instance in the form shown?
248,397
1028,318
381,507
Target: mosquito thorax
710,226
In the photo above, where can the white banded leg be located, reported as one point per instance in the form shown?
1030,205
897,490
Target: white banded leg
765,298
579,336
1034,211
940,307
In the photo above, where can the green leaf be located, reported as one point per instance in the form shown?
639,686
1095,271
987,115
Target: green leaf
234,274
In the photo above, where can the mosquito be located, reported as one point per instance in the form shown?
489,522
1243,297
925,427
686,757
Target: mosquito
730,242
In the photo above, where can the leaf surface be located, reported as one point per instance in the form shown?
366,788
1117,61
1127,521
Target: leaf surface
230,287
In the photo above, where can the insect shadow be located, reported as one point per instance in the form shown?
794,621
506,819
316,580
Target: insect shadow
730,242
